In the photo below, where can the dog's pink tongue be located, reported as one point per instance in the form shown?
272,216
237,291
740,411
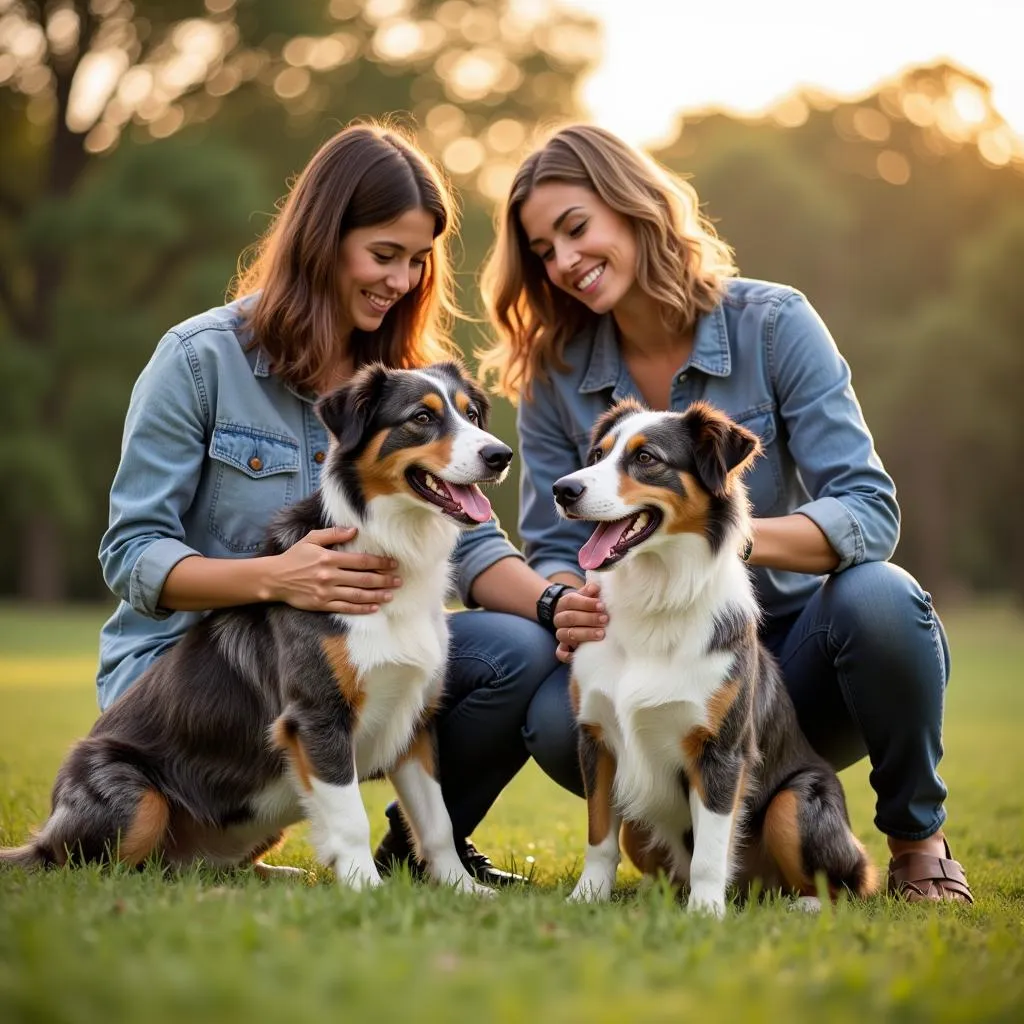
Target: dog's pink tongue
598,549
472,500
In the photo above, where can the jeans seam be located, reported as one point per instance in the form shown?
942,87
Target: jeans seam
494,666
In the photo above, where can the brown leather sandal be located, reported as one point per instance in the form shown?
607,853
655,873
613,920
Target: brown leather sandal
917,877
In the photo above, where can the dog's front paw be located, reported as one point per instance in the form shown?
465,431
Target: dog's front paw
708,904
357,876
591,889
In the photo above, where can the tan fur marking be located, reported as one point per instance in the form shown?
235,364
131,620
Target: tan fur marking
462,402
607,443
146,830
649,859
683,514
782,838
434,402
635,442
698,737
296,753
574,695
350,684
599,799
421,749
387,476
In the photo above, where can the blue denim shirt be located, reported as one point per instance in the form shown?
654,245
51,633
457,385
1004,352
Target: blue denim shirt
214,444
764,357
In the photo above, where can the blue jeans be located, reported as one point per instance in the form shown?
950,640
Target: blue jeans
866,663
496,663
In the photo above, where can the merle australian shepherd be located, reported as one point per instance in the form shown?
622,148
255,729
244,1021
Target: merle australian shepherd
687,734
263,715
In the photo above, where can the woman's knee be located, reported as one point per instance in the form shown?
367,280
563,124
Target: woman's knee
550,731
883,611
505,651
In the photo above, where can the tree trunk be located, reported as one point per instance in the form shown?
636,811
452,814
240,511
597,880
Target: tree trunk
42,572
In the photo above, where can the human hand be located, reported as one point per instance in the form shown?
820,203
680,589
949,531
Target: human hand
313,577
579,617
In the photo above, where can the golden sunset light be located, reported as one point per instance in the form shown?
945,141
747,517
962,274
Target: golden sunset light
743,57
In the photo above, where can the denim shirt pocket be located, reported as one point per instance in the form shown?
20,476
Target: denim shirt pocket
764,478
256,474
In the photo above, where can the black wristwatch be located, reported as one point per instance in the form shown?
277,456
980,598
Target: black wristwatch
547,602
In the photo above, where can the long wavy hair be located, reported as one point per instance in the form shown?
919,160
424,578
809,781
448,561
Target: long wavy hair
366,174
681,261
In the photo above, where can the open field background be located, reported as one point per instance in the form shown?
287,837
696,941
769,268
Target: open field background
91,946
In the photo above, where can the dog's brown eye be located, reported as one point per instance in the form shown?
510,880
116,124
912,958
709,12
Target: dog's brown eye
472,415
423,417
594,456
644,458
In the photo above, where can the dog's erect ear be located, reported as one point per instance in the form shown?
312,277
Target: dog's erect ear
720,447
347,412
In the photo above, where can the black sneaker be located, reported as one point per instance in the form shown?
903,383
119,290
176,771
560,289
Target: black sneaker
480,867
395,850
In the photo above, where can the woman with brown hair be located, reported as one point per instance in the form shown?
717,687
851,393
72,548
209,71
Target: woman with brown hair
606,283
221,433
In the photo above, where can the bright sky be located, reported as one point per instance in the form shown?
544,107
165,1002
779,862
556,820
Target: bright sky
665,55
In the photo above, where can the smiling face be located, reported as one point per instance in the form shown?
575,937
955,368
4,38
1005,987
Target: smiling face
652,476
588,250
416,436
381,263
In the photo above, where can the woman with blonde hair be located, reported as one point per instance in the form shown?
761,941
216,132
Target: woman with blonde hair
607,283
221,432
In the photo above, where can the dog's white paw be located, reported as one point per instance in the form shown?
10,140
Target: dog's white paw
808,904
706,904
591,890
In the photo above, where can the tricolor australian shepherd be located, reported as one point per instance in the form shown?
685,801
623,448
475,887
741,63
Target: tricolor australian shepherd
688,737
263,715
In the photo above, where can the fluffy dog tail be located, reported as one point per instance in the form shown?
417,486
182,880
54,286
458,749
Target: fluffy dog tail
30,856
807,830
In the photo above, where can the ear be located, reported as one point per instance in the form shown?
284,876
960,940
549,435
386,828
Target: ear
347,412
720,447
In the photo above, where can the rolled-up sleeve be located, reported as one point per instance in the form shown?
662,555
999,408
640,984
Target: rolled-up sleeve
162,452
551,544
477,550
853,498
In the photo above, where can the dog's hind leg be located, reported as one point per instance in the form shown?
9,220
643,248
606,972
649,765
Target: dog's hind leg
601,861
317,741
419,793
104,809
807,832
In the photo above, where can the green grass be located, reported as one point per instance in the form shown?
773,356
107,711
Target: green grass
107,946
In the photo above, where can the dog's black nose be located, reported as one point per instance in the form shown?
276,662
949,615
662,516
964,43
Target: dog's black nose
567,491
496,456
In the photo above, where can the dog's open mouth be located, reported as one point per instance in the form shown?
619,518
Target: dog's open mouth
610,541
465,503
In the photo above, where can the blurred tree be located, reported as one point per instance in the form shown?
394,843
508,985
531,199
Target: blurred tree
895,214
140,137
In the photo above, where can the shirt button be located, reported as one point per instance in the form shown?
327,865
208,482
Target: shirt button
319,457
256,463
681,379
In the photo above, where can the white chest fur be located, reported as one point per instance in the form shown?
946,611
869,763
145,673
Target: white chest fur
400,660
648,683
